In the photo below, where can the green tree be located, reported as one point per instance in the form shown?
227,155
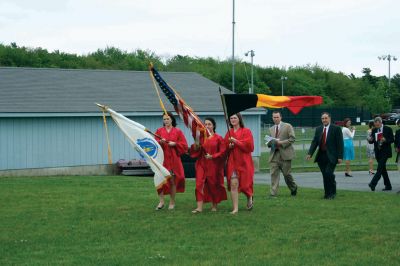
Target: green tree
337,89
375,99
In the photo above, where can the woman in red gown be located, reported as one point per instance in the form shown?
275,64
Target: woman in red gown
240,167
209,168
174,144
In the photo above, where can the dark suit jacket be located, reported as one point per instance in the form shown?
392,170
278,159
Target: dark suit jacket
397,143
334,143
384,150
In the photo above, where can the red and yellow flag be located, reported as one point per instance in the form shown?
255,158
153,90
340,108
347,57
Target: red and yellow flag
236,103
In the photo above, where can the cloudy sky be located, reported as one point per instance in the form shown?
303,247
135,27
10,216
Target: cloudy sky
342,35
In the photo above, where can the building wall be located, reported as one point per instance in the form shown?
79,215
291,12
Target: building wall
40,142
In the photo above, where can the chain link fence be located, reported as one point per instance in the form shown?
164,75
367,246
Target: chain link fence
304,136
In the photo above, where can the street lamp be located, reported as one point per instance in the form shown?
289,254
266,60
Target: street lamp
389,58
282,79
252,54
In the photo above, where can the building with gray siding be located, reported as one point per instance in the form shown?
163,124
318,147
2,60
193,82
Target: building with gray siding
48,117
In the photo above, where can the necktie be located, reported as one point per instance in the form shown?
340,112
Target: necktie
323,142
276,131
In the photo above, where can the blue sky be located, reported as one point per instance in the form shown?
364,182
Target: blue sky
342,35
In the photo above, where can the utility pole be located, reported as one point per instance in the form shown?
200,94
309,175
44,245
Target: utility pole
282,79
388,58
233,47
252,54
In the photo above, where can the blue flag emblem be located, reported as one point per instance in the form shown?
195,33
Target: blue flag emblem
149,146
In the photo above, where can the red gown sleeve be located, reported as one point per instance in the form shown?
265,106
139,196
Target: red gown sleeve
158,139
158,133
221,149
226,143
181,143
193,152
246,144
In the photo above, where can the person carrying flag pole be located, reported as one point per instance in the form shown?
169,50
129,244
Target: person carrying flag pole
174,145
209,168
239,168
239,164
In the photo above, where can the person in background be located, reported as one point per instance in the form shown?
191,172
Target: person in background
382,138
209,168
370,149
239,167
397,145
329,140
348,134
282,154
174,144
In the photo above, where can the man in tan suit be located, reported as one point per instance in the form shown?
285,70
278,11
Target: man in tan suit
282,153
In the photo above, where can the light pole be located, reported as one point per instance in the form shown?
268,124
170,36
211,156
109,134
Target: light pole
252,54
233,46
282,79
389,58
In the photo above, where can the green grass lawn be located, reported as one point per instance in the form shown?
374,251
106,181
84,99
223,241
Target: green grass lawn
111,221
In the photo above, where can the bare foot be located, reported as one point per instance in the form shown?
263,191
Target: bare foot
160,206
234,212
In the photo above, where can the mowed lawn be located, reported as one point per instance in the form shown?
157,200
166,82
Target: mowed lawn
111,220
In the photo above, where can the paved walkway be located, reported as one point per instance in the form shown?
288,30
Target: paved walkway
359,181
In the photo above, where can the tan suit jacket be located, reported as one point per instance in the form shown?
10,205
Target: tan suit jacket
287,137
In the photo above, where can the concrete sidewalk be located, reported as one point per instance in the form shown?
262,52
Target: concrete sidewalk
359,181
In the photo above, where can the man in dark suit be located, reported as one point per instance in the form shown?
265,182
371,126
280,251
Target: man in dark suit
329,140
397,145
382,138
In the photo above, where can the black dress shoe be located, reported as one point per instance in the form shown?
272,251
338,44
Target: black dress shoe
348,175
371,187
293,192
387,189
330,197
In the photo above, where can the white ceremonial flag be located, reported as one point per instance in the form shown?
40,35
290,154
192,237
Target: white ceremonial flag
145,144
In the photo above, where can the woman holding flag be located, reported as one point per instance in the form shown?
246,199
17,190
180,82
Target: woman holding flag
209,168
174,144
240,168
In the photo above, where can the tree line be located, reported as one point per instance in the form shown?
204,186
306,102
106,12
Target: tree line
337,89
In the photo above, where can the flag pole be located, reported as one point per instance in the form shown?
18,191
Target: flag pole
104,108
155,87
205,130
227,126
224,108
155,135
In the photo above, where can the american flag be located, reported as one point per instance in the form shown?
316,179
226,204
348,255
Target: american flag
189,117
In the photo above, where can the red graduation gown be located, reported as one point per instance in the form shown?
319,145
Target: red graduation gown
172,157
240,160
210,172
